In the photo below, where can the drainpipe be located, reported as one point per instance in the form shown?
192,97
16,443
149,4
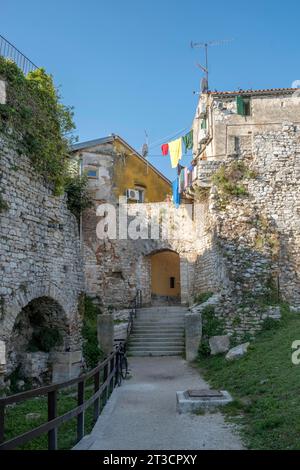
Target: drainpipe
80,218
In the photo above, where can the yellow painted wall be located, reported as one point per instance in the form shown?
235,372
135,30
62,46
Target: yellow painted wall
164,265
131,171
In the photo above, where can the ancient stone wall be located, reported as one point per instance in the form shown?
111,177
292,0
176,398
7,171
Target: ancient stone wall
39,247
116,268
256,235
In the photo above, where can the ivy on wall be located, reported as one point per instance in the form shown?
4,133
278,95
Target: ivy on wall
36,122
38,125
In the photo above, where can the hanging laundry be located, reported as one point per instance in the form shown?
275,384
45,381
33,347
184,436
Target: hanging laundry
175,150
179,168
181,180
176,195
188,140
165,149
191,168
186,178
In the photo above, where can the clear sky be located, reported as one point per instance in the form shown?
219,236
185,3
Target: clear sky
127,66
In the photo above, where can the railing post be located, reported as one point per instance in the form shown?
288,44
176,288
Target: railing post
107,385
114,381
2,415
80,417
96,388
52,412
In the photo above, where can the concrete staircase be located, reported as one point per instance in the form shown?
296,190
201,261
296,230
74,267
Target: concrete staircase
158,331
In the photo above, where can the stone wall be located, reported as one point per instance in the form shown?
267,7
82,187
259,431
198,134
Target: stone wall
39,247
116,268
253,250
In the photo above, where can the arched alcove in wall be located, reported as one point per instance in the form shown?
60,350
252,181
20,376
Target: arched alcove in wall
40,329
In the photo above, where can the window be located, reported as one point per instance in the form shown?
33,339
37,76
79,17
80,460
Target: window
172,282
141,192
92,172
203,124
243,106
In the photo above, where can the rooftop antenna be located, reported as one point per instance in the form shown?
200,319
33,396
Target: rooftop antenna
145,148
206,45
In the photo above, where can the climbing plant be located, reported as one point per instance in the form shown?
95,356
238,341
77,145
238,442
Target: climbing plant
36,122
229,179
76,188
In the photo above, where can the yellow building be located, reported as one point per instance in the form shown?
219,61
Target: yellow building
115,169
115,269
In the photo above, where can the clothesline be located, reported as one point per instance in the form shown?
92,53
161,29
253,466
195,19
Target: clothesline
158,142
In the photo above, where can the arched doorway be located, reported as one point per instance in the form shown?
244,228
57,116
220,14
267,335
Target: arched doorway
40,329
165,277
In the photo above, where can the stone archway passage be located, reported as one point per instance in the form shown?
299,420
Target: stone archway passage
40,329
165,275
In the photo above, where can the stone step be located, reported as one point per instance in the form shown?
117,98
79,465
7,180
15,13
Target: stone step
157,347
155,342
158,323
156,353
150,335
150,329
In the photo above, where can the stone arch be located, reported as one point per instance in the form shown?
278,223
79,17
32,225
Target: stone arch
23,297
157,290
31,323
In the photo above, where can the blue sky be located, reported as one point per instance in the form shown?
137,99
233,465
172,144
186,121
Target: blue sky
127,66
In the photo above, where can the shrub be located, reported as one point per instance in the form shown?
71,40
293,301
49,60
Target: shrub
36,122
78,198
45,339
229,178
91,350
211,326
203,297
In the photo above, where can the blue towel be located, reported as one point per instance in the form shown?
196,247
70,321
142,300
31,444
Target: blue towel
176,194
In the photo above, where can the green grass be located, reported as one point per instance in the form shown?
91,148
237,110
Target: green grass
16,422
265,387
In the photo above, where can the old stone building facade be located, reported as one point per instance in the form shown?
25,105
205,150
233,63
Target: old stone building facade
119,264
246,148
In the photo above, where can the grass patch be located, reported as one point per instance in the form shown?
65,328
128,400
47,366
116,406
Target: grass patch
16,422
265,386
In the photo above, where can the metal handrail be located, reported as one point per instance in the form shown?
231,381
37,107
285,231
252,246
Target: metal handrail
9,51
109,368
135,304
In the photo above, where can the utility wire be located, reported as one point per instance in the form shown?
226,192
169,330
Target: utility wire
158,142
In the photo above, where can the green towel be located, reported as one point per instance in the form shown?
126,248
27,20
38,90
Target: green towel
188,141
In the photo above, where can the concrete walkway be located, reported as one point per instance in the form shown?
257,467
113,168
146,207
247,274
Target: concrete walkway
141,414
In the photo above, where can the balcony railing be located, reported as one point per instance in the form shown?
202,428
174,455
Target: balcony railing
9,51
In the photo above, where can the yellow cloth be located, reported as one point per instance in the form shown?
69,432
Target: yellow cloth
175,150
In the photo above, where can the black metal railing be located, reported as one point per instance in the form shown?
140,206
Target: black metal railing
104,378
135,304
9,51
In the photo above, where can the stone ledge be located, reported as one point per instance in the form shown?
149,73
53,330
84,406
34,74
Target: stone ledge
188,404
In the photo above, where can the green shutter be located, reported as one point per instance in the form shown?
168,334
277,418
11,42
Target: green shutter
203,124
240,106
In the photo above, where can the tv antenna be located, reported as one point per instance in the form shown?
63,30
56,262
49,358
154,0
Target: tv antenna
206,45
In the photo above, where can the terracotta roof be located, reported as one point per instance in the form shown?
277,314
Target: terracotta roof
267,91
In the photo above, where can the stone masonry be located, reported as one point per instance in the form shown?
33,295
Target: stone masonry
39,249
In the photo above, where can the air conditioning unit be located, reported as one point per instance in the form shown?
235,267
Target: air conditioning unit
133,194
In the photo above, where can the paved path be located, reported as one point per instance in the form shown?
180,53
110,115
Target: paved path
141,414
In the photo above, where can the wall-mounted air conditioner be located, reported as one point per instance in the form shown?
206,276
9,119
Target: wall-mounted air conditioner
132,194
